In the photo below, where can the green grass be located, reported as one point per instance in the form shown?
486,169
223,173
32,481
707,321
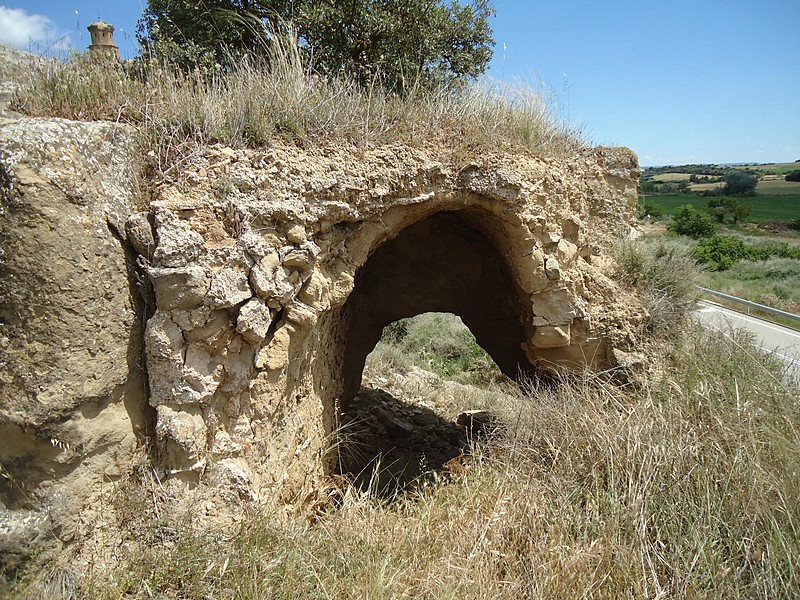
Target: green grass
765,207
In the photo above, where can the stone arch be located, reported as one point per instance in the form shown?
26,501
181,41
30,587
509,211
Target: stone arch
445,262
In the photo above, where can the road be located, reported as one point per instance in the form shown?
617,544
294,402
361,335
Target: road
781,341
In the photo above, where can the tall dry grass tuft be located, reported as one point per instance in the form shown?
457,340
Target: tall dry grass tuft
259,98
665,275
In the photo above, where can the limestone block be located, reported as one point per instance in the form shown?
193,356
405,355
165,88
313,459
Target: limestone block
342,286
551,337
316,291
234,478
254,321
229,287
533,278
302,314
196,318
553,305
202,375
571,226
296,234
181,438
301,258
163,338
182,287
254,244
567,252
140,234
275,355
164,344
551,237
177,244
552,269
271,281
230,266
211,331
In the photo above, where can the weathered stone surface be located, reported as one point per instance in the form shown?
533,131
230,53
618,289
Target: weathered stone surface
317,271
254,321
182,287
547,336
71,388
267,302
140,234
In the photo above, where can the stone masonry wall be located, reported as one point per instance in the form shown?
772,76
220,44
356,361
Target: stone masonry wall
268,291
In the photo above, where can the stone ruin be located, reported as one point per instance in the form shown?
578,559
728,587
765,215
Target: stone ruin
222,321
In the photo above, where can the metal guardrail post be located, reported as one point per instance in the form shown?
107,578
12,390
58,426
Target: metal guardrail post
749,304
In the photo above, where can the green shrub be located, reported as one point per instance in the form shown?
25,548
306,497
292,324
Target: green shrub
441,343
793,176
720,252
740,183
691,222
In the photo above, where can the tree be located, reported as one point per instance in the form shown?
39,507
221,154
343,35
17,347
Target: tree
689,221
793,176
401,43
740,183
728,208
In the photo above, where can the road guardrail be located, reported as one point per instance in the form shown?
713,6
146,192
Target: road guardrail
748,303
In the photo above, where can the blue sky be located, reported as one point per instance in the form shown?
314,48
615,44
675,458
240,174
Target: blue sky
678,82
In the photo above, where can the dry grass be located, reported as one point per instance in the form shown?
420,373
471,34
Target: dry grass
684,485
664,274
258,100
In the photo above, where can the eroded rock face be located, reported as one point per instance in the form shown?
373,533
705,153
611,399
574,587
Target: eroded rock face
71,385
276,270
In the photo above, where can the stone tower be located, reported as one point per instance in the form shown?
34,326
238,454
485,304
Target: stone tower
103,39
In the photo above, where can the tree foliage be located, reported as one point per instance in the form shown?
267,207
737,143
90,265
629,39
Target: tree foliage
728,208
793,176
401,43
691,222
740,183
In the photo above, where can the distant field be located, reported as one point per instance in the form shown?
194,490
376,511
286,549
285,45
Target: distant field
765,207
672,177
780,187
768,187
777,168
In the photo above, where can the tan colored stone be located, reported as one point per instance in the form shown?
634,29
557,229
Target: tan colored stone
551,337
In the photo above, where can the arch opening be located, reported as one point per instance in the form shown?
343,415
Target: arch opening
424,377
448,262
444,263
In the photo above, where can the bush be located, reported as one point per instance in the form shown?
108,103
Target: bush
793,176
720,252
691,222
740,183
441,343
728,208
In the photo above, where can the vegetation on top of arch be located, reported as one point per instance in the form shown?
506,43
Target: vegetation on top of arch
278,95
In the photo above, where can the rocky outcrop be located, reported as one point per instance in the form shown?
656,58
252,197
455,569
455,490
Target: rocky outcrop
273,272
72,394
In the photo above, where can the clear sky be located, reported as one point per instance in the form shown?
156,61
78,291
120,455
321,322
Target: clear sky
705,81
